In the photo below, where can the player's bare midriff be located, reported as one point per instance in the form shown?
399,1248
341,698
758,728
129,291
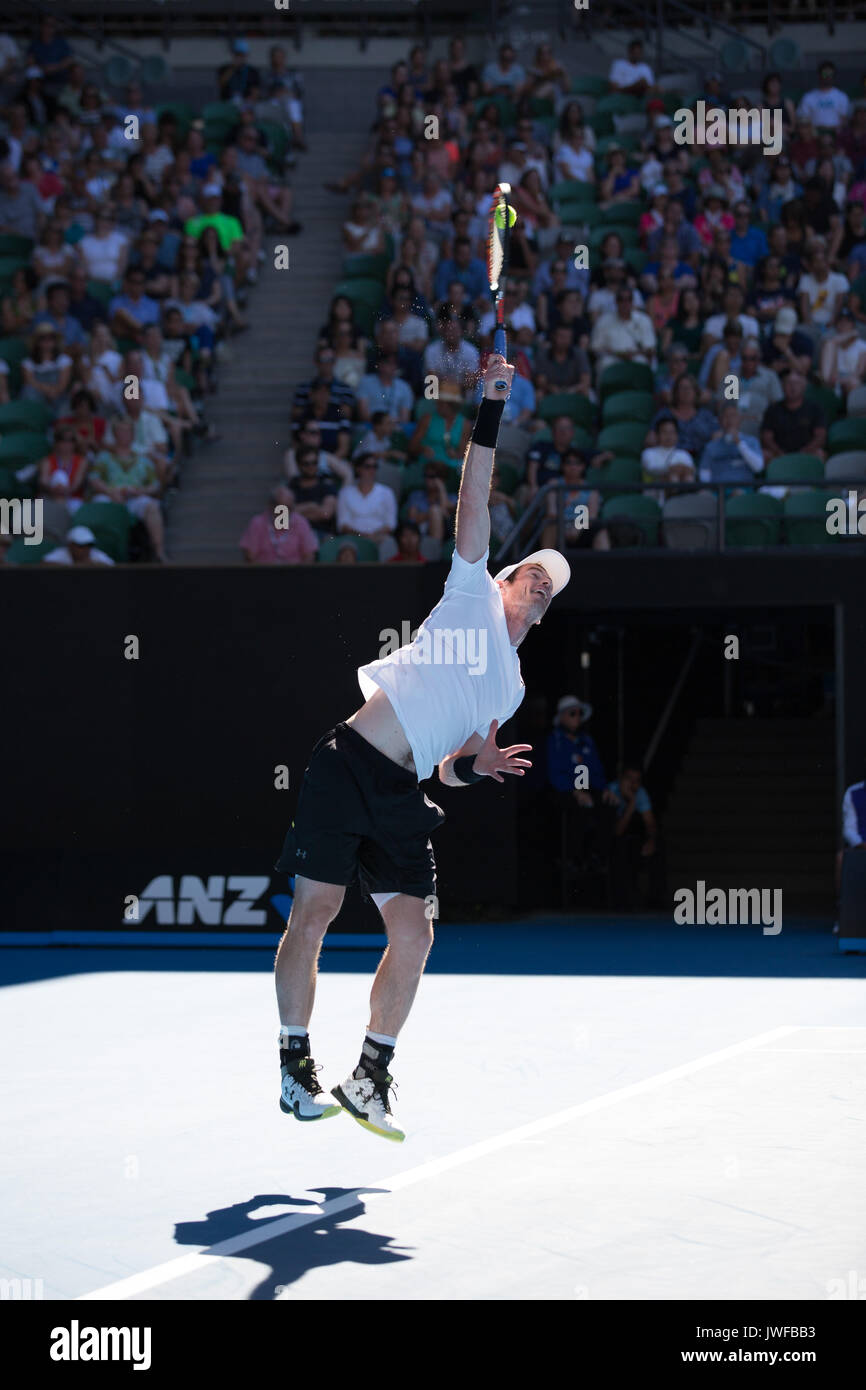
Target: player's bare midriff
378,724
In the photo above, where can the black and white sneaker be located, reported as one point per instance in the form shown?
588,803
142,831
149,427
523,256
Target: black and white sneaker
367,1100
301,1094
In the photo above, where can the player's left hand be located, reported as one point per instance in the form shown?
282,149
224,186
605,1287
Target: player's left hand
497,369
493,761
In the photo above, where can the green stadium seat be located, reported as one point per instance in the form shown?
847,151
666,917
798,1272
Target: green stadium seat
621,470
367,267
10,486
509,477
618,104
368,551
784,55
118,70
183,113
827,399
20,553
643,512
25,415
795,468
845,435
12,245
624,214
22,447
625,376
628,407
581,410
589,85
636,259
110,523
805,515
752,519
628,235
572,191
13,351
541,106
507,110
224,111
628,439
153,70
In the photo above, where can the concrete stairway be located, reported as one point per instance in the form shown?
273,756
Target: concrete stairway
754,806
227,482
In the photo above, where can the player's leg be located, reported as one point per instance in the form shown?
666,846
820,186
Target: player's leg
366,1094
314,908
410,936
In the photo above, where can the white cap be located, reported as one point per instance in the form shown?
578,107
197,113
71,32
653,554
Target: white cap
572,702
81,535
556,565
211,190
60,478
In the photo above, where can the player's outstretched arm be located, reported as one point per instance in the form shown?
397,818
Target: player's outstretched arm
472,534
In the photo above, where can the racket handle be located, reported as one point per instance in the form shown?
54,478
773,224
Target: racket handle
499,347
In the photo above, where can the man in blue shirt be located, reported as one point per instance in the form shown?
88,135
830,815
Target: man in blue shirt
730,457
576,774
463,266
57,313
748,244
131,312
635,843
50,53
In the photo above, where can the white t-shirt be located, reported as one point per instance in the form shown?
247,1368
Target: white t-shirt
849,360
367,512
102,255
715,326
63,556
460,673
658,459
574,164
522,317
625,74
824,297
827,109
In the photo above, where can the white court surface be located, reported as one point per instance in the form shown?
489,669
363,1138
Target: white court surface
570,1137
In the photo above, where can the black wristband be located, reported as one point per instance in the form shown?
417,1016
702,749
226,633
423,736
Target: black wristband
464,771
487,421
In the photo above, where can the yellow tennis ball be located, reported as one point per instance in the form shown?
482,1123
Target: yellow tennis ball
500,220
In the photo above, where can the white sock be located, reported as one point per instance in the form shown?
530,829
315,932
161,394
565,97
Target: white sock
292,1030
381,1038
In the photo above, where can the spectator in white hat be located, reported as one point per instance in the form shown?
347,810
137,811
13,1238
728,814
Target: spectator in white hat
80,549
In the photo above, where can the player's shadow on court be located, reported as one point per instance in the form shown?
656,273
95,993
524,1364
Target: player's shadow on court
324,1241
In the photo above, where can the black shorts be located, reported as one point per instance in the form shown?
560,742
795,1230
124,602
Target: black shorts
363,819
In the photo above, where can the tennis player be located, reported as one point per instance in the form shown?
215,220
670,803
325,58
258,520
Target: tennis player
362,815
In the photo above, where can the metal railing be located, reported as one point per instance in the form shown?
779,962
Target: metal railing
529,526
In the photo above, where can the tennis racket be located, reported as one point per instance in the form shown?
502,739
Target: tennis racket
498,236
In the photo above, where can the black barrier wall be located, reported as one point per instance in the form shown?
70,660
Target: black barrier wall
119,770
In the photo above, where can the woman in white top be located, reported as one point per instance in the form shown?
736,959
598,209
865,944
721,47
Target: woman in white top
47,371
104,251
573,159
363,234
843,356
105,375
53,256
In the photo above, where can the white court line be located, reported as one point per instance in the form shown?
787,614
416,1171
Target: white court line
281,1225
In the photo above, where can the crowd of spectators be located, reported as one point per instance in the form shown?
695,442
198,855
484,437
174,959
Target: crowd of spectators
130,236
704,264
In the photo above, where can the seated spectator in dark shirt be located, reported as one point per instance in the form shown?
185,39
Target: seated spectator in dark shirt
408,537
338,394
51,53
569,309
315,495
544,459
462,266
576,775
327,414
786,349
236,78
84,307
57,313
635,844
793,425
562,366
